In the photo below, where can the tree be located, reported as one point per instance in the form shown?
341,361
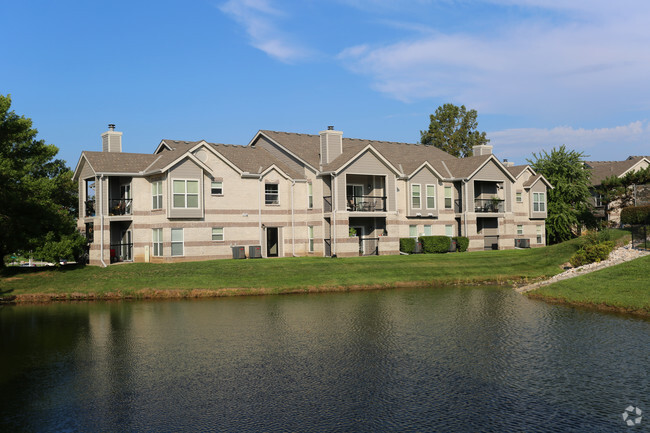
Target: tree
37,194
569,207
453,129
619,192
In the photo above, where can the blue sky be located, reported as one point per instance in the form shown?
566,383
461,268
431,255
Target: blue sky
540,73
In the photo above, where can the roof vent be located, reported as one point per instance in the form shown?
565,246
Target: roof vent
330,128
111,127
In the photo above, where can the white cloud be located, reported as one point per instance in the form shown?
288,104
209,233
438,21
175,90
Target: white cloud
595,54
258,17
614,143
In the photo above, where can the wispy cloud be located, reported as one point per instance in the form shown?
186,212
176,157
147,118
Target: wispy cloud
601,143
259,18
596,52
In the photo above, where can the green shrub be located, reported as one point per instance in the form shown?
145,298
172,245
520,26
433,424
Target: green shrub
635,215
407,245
462,243
592,253
435,244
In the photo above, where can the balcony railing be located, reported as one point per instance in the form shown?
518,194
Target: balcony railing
90,207
488,205
366,203
121,252
120,206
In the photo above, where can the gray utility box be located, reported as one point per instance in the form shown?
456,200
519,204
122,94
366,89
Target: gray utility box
254,252
238,252
522,243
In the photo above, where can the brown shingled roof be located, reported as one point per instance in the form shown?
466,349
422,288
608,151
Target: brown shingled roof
118,162
600,170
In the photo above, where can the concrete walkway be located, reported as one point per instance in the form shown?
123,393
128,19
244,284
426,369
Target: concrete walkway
619,255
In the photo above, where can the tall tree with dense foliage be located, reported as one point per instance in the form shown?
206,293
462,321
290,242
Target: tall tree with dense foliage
38,198
568,202
453,129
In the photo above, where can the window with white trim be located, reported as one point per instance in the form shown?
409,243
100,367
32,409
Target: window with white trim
177,242
448,197
217,234
539,202
540,234
271,193
310,235
216,187
520,230
186,193
156,195
413,231
449,230
310,196
519,197
157,240
427,230
431,196
415,196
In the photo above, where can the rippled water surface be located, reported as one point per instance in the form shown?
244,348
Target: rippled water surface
457,359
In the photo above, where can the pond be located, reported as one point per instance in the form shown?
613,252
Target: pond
444,359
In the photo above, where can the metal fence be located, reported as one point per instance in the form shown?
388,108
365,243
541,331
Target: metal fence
640,235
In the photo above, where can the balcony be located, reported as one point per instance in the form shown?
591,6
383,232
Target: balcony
491,205
90,208
120,206
366,203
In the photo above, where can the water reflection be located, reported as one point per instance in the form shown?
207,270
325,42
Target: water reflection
397,360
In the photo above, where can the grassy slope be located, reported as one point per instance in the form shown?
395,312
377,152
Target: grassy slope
625,286
290,274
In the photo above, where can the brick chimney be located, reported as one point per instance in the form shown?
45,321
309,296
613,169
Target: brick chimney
482,149
331,145
111,140
507,163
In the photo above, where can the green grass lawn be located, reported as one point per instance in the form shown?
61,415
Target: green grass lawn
625,286
293,274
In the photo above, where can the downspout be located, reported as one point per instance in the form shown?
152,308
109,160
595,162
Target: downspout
293,223
101,220
259,210
334,209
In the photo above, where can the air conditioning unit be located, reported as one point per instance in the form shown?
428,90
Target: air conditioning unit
522,243
238,252
254,252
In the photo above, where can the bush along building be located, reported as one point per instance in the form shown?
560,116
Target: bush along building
288,194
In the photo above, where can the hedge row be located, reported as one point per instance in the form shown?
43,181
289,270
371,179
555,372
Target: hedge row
636,215
433,244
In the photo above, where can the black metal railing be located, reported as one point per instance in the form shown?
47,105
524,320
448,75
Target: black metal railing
488,205
120,206
366,203
327,203
90,207
121,252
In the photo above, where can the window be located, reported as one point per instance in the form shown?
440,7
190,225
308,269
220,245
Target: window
431,196
216,187
540,233
217,233
427,230
156,194
90,232
449,230
598,200
177,242
310,196
271,193
186,193
519,197
413,231
310,234
157,239
415,196
448,197
539,204
520,229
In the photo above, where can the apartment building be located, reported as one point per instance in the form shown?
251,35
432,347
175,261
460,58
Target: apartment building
289,194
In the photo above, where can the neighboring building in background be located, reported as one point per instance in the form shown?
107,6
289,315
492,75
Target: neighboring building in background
601,170
294,194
